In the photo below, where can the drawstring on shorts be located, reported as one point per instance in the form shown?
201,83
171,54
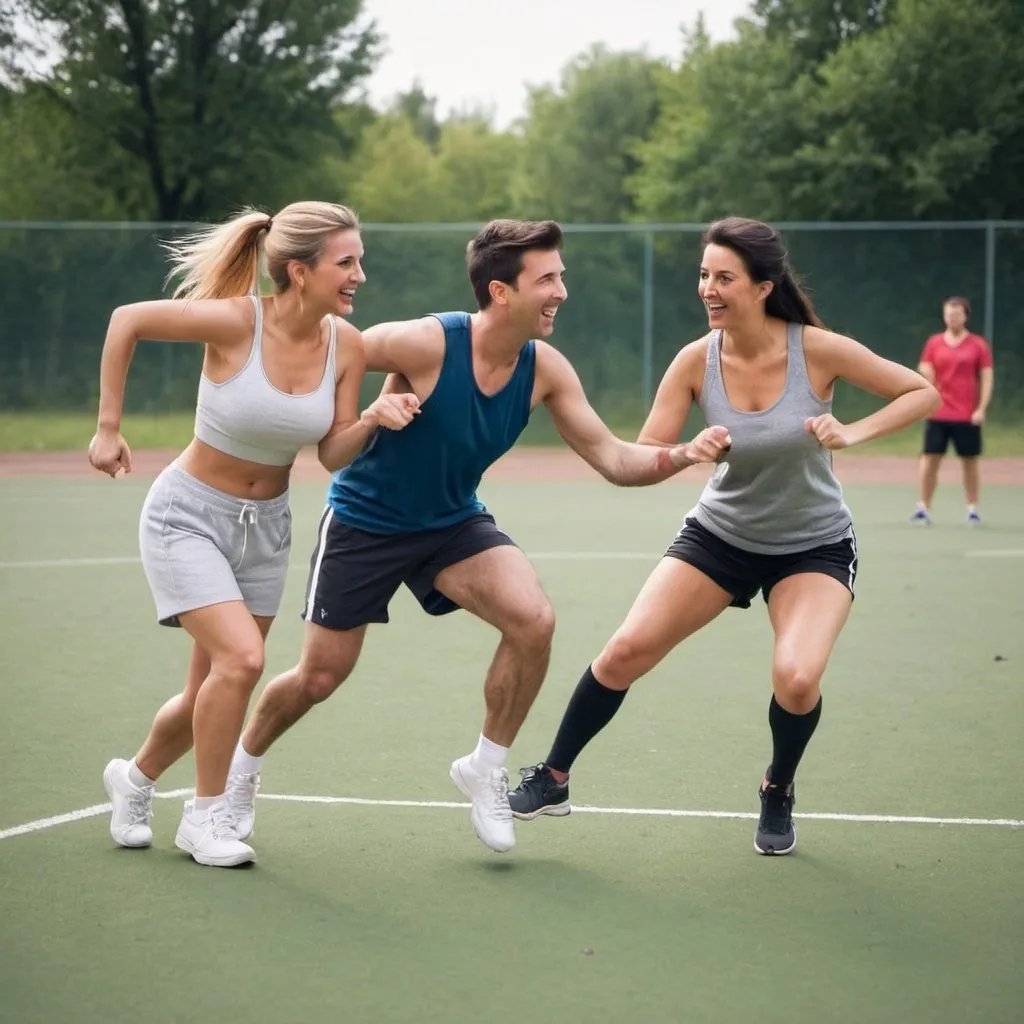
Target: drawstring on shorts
249,516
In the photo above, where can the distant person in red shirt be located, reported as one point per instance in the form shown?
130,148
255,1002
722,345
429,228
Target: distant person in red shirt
959,364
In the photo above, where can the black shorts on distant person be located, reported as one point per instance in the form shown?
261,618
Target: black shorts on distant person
744,573
966,438
354,574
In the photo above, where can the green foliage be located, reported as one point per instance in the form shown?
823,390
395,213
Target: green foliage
421,111
393,173
845,110
837,109
473,167
727,115
37,179
816,28
188,108
579,139
921,119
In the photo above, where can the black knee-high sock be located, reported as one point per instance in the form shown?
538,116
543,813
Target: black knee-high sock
591,707
790,736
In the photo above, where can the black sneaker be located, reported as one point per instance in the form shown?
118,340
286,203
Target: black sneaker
775,832
538,794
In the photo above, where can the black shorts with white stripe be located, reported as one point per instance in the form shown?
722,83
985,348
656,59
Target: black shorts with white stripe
744,573
354,574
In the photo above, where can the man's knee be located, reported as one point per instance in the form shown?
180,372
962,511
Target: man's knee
316,684
532,625
327,661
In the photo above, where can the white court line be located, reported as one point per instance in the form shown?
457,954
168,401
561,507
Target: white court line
536,556
663,812
74,563
654,812
64,819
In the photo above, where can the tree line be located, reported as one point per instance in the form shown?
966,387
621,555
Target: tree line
183,110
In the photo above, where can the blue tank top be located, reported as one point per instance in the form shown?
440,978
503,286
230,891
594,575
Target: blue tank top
425,476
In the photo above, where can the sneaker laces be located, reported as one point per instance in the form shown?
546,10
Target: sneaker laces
223,823
140,807
242,790
497,783
539,777
776,810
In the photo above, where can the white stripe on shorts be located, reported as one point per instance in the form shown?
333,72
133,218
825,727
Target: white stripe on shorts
853,560
314,576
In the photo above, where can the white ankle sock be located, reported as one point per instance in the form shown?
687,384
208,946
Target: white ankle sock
244,763
488,755
972,509
201,805
137,778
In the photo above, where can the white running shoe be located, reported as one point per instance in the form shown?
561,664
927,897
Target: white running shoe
133,806
241,798
490,814
212,839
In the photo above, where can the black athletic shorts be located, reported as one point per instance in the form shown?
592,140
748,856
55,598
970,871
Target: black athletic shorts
354,574
744,573
966,438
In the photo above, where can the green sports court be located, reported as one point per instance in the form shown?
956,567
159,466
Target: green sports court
373,901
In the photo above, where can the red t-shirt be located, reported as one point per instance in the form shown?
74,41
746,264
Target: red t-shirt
957,372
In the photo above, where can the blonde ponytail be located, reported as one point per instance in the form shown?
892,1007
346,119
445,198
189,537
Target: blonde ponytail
223,261
220,262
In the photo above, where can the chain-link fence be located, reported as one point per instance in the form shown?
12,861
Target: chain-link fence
632,300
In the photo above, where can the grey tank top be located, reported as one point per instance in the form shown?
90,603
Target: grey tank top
776,494
248,418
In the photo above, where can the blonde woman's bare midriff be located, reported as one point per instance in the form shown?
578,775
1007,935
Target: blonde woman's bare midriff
234,476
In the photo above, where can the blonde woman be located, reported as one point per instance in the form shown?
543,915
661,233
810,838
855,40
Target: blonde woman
279,372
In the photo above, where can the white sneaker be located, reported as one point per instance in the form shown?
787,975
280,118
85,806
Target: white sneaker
491,815
133,806
212,839
241,798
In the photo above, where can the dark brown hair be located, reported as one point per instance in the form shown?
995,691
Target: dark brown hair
959,300
496,254
766,259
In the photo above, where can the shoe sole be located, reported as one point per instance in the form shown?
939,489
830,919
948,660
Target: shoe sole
456,777
552,810
214,862
108,786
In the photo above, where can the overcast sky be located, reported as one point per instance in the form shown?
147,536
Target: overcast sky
470,53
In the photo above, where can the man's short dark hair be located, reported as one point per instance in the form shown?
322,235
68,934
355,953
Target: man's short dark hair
496,254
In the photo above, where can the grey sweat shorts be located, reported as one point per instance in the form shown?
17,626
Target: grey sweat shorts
200,547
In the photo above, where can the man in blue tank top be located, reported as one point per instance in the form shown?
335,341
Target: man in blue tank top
406,510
